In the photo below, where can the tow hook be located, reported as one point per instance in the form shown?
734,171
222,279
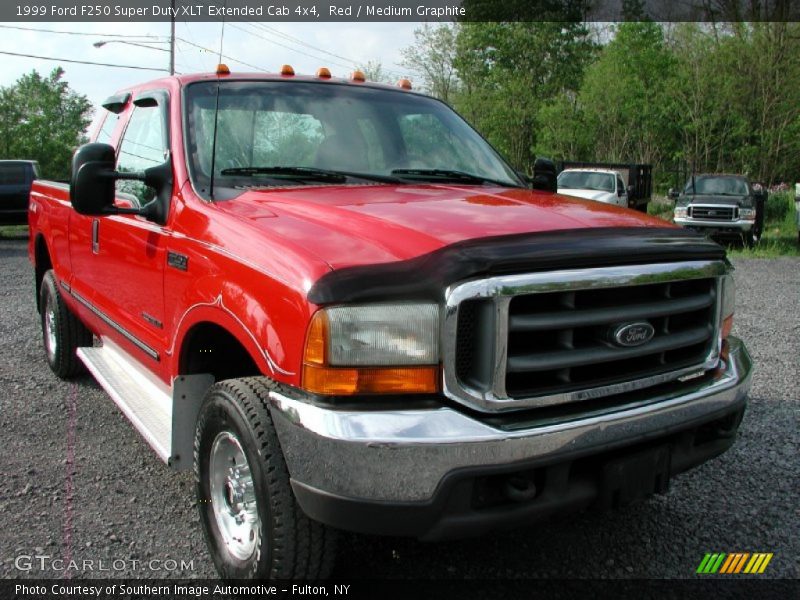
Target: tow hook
519,489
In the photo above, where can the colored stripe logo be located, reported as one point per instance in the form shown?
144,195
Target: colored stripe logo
737,562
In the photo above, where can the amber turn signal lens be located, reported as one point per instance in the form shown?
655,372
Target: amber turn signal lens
337,381
317,340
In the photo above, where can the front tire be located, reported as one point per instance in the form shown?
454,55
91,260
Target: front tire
253,526
62,332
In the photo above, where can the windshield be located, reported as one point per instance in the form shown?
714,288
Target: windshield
717,186
586,180
295,133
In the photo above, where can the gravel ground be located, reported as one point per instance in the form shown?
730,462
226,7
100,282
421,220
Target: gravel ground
107,497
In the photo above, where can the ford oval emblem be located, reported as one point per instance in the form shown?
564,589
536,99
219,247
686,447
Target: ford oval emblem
629,335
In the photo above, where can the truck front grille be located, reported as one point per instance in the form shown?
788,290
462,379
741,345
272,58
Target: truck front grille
541,339
713,213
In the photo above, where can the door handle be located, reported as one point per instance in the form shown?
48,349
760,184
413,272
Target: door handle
95,236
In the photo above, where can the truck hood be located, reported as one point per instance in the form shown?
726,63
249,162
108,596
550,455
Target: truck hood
721,200
369,224
596,195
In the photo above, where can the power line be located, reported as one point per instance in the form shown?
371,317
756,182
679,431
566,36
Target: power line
241,62
288,47
78,32
82,62
297,41
300,42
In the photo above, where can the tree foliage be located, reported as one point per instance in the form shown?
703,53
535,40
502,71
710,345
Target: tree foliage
42,119
433,56
713,97
509,70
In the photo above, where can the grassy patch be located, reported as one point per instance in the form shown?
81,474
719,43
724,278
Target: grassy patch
13,232
661,207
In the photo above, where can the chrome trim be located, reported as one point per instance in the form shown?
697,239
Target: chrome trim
116,326
502,289
692,222
346,452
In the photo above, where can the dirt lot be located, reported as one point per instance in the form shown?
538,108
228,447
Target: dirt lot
79,483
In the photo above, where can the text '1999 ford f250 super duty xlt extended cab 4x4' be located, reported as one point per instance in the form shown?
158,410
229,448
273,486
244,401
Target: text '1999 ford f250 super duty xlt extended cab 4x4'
336,303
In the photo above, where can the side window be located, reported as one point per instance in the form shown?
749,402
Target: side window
109,124
144,145
620,185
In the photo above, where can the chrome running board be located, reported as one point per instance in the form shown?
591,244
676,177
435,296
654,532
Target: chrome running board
144,399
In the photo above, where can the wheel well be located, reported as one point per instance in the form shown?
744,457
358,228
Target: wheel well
42,265
208,348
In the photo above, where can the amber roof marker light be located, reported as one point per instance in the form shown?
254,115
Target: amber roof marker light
404,84
287,70
358,76
222,69
323,73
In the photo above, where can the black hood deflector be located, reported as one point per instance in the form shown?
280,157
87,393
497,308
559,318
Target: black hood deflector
426,277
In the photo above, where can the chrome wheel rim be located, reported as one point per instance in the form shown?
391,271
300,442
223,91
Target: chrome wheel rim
233,499
50,342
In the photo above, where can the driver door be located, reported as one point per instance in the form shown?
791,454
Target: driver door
123,266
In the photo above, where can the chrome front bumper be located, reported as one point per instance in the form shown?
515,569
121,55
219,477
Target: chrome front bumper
740,224
402,456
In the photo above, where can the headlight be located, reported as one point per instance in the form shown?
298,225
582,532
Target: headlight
748,214
728,301
371,349
681,212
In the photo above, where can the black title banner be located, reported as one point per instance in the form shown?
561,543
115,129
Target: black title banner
398,10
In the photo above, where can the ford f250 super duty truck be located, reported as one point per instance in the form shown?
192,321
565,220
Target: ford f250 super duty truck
723,206
338,304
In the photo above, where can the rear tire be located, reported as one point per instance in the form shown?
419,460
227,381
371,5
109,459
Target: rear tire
252,523
62,332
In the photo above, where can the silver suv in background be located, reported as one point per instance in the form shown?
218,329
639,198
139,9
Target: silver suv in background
721,206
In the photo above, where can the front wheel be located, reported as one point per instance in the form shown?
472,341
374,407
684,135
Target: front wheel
252,524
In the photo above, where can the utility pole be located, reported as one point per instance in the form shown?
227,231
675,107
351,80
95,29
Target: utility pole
172,40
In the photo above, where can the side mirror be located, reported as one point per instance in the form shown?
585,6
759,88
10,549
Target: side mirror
672,193
621,192
91,188
544,175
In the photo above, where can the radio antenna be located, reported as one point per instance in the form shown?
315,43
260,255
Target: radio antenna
216,109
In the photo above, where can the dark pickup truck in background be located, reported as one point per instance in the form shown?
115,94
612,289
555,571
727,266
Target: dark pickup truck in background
721,206
16,177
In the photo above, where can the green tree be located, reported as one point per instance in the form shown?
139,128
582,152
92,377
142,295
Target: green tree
433,56
627,94
509,71
42,119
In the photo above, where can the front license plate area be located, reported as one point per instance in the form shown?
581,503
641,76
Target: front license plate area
634,477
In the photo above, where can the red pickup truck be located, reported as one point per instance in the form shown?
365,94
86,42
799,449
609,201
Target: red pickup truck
339,305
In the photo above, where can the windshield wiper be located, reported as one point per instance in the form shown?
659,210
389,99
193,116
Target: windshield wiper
448,174
308,173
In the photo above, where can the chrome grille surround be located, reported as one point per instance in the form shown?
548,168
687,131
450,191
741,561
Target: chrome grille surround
713,212
500,291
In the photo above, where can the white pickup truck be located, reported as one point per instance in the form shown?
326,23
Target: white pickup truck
601,185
